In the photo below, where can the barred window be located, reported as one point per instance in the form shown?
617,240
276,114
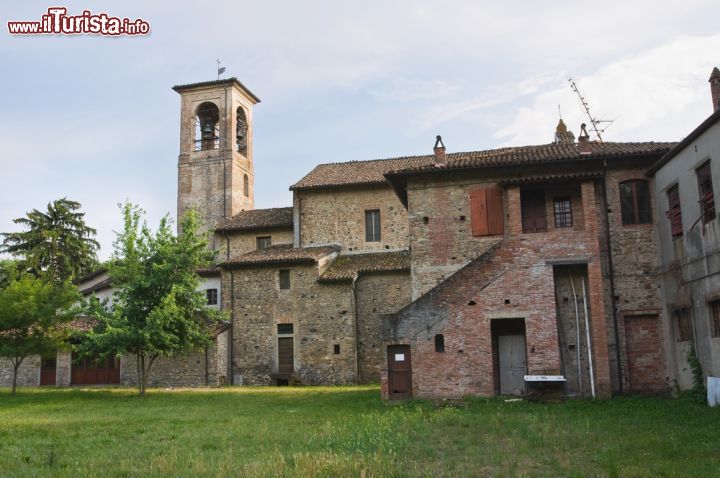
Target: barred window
714,310
563,212
285,329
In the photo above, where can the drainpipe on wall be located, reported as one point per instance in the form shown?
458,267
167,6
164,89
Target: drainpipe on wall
611,272
231,378
355,320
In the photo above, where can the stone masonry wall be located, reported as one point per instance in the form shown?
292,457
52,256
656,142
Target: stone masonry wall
378,294
636,273
338,217
244,242
28,373
322,316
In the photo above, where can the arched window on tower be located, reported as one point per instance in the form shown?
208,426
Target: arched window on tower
246,186
207,127
241,129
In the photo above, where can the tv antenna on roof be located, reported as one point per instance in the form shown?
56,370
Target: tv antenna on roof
594,122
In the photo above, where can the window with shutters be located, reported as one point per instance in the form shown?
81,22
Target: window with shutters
683,324
705,188
532,207
372,225
635,202
284,279
674,213
486,211
562,208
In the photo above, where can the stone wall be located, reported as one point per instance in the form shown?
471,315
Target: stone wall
322,316
242,242
377,294
194,369
28,373
634,267
338,217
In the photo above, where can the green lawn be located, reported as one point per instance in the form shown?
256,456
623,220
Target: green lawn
346,431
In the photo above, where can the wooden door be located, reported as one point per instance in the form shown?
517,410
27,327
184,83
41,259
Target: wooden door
645,361
399,372
48,370
92,371
286,360
512,364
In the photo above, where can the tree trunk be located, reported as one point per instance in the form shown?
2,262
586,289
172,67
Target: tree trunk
141,373
16,365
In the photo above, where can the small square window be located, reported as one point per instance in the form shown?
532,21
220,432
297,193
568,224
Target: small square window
212,296
285,329
372,225
284,276
263,242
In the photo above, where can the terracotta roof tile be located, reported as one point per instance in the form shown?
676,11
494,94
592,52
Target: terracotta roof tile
255,219
373,171
349,266
282,253
357,172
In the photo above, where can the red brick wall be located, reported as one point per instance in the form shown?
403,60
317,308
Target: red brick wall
514,280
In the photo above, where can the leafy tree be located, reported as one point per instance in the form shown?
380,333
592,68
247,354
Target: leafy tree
157,311
56,244
33,317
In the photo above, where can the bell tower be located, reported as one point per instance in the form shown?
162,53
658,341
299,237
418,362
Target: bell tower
215,165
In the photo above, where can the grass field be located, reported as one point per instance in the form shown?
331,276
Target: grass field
346,431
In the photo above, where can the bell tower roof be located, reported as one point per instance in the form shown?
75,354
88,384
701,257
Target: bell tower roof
214,83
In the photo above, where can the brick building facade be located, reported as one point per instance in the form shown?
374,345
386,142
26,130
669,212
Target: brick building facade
474,268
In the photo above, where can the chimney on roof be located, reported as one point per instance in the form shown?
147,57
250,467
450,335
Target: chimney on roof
562,135
584,140
715,88
439,151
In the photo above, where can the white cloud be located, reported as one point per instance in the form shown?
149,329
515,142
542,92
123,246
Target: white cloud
642,93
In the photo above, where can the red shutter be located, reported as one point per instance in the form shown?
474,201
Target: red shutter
675,214
478,212
486,211
495,210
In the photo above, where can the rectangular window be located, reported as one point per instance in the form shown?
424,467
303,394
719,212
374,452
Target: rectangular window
683,324
212,296
285,329
635,202
705,188
714,311
563,212
336,349
532,206
674,213
284,277
263,242
372,225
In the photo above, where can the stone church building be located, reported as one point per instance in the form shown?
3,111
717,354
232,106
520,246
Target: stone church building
438,275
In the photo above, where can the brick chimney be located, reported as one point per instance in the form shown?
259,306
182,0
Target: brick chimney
715,88
439,151
584,140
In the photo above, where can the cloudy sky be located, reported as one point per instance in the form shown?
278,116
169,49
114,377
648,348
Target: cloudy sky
94,118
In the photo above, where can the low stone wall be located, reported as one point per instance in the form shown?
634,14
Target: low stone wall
28,374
